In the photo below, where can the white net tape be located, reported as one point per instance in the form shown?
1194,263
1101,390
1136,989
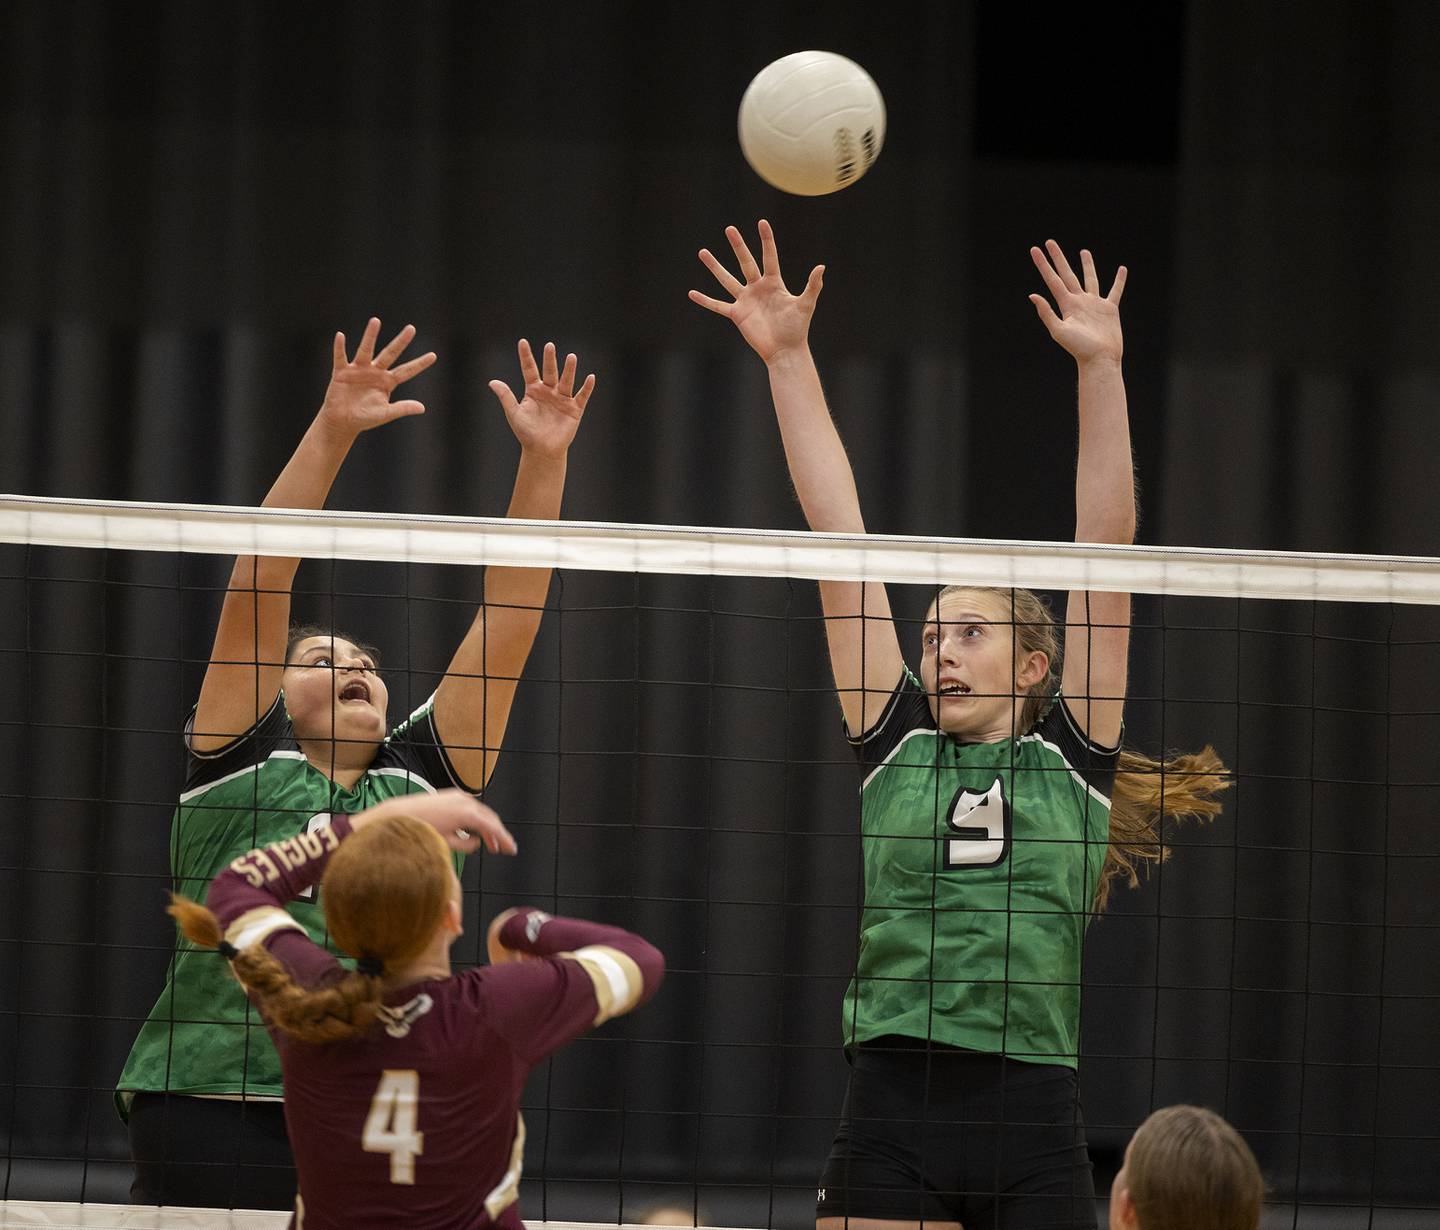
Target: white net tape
227,530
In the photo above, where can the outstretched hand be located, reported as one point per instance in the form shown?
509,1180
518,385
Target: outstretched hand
546,418
359,394
1088,325
462,820
768,316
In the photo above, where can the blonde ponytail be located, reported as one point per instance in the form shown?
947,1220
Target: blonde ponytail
1147,793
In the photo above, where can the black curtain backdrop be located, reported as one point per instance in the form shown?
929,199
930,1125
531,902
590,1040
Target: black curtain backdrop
192,197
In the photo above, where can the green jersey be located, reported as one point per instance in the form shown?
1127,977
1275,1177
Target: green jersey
203,1036
981,862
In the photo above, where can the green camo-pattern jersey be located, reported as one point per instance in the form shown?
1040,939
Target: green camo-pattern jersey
981,861
203,1036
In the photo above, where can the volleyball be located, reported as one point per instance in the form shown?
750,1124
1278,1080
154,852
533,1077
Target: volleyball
811,123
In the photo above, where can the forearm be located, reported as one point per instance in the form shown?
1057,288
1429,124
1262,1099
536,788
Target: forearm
305,482
537,495
499,640
1105,468
472,704
307,477
819,467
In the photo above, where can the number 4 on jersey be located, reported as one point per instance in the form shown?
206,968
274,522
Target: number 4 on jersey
979,827
390,1125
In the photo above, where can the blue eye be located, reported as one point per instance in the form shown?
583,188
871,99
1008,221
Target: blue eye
322,661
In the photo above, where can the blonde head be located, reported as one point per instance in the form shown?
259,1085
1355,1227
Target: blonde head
1187,1169
1034,631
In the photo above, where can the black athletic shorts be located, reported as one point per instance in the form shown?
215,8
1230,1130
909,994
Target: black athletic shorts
210,1153
943,1134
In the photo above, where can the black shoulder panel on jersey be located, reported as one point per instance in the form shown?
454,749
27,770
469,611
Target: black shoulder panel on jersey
908,709
415,745
270,733
1095,763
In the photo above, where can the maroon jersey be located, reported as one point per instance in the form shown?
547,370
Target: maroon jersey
418,1122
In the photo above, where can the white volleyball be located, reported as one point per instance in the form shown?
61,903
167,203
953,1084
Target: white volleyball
811,123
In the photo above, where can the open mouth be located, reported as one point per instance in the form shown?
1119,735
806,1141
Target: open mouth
356,689
955,689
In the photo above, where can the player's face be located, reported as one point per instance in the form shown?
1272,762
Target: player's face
967,665
333,690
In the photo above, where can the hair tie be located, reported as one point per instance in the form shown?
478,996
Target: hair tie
227,950
371,967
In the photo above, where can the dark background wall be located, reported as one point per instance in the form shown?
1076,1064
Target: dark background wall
192,197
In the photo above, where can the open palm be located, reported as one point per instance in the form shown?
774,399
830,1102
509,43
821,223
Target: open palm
1088,323
546,418
768,316
358,397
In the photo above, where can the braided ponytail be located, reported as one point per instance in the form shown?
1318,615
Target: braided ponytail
385,893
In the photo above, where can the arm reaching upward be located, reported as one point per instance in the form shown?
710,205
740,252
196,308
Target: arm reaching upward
1097,625
865,653
247,659
472,705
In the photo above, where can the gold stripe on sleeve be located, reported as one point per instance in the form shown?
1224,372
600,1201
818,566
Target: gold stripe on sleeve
615,976
254,926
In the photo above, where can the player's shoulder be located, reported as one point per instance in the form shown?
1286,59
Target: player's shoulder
1059,740
905,713
419,723
414,749
269,745
264,733
1060,732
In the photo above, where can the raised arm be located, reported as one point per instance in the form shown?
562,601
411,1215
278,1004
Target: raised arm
472,705
1097,625
247,659
864,649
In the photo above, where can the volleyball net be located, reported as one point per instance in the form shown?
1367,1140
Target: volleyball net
675,764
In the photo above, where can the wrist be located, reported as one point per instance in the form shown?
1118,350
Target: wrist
1103,364
330,434
790,358
546,461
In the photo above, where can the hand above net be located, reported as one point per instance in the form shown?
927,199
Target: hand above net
546,418
768,316
1088,325
358,397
